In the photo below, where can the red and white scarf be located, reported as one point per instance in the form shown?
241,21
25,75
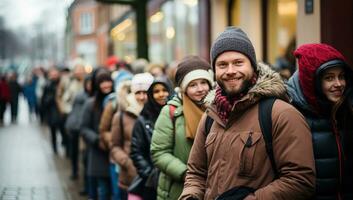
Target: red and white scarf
224,104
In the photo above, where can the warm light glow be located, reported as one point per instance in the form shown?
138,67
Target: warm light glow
158,16
170,32
121,36
88,68
128,59
287,8
118,29
190,3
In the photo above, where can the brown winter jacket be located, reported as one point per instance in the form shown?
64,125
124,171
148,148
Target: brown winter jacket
105,124
114,104
220,161
121,141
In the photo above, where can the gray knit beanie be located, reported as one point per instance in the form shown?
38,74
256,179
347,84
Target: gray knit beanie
233,39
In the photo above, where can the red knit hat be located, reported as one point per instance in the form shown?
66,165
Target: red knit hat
310,58
112,60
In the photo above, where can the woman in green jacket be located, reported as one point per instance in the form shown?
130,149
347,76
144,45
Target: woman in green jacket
176,125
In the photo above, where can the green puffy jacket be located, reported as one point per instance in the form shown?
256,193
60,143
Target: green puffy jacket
170,151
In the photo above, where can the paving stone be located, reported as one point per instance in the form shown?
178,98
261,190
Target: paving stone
30,170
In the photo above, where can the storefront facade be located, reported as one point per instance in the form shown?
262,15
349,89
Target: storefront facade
277,26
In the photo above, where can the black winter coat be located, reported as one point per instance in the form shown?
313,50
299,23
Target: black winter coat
51,111
333,168
140,146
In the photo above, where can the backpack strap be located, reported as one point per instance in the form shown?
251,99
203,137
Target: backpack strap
265,119
172,109
208,125
121,121
171,112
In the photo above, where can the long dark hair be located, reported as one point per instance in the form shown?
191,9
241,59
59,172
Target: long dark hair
152,109
100,76
345,124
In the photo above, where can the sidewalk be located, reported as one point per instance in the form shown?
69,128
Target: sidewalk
28,167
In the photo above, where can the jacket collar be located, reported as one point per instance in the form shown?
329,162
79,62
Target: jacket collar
268,84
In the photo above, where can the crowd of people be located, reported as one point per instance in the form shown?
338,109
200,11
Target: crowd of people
198,130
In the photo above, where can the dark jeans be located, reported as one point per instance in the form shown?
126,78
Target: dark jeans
114,176
53,130
74,151
2,110
14,109
99,187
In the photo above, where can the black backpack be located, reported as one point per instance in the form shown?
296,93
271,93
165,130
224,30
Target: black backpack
265,120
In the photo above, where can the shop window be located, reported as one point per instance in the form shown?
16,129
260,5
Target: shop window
173,31
88,51
282,19
86,23
124,37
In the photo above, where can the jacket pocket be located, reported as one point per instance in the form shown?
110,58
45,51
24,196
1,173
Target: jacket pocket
249,141
209,143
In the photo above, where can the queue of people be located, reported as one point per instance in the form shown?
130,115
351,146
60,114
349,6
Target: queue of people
200,133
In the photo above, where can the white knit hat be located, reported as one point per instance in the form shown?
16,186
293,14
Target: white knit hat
192,68
141,82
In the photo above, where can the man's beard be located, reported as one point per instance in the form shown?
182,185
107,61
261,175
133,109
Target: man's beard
244,88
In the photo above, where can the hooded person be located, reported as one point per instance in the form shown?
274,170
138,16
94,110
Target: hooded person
73,125
229,158
321,89
97,155
122,125
177,123
158,94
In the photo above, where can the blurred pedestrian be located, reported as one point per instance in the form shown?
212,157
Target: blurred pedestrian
40,74
322,90
5,97
229,157
122,73
112,103
285,65
15,90
73,125
51,112
156,69
121,130
29,92
158,94
176,125
98,155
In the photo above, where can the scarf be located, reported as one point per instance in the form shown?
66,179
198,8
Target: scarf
192,115
224,104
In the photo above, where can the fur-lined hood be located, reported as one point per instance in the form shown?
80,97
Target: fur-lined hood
132,105
268,84
126,100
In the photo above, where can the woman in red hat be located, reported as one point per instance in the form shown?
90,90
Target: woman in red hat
321,90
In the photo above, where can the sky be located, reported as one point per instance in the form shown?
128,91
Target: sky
26,13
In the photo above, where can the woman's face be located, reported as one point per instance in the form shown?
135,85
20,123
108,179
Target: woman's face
197,89
106,87
160,94
333,83
141,97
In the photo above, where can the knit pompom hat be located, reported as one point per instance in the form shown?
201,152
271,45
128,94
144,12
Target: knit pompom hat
192,68
312,58
141,82
233,39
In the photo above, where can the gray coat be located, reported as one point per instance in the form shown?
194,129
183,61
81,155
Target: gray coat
73,121
98,160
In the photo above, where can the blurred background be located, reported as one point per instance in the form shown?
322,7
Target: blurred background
42,41
61,32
